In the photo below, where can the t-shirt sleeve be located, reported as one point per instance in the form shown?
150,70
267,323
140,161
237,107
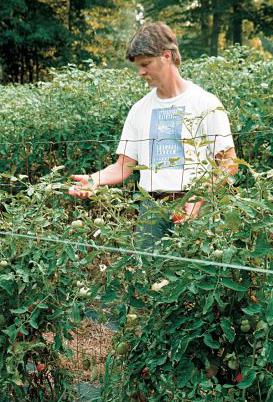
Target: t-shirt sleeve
128,144
217,127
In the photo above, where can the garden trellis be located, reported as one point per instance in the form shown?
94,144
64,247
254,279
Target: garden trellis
166,257
67,252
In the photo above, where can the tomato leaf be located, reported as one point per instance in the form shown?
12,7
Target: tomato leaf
229,283
210,342
228,329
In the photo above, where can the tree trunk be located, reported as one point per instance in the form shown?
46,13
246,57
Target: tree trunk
204,21
30,69
215,29
237,24
22,68
36,63
69,15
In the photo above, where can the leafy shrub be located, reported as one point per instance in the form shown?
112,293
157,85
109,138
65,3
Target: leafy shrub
76,119
42,124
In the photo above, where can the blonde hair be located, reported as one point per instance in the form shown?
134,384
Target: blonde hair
151,40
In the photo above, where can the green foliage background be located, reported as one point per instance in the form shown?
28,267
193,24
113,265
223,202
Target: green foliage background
186,341
38,34
60,122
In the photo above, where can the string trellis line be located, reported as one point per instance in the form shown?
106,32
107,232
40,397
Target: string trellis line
122,250
105,141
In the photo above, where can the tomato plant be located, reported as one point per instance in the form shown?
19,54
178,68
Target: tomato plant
203,332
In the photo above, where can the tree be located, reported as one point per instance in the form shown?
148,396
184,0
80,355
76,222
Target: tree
109,25
31,38
203,24
99,28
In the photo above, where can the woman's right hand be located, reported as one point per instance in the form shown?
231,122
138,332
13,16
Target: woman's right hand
84,186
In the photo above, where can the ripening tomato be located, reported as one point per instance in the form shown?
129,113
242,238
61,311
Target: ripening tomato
77,224
239,377
40,367
178,217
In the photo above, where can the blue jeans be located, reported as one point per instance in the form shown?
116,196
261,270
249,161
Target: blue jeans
153,223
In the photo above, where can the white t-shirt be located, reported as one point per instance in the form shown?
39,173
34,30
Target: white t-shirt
174,139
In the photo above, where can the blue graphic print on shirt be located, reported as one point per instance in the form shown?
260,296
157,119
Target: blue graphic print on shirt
166,147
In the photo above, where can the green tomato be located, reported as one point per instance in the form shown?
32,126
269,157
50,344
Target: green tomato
131,318
245,327
261,325
122,348
84,293
218,253
233,364
99,221
77,224
3,263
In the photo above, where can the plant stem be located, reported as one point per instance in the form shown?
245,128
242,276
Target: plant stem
269,394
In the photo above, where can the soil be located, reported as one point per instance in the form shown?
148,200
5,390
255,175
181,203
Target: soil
90,345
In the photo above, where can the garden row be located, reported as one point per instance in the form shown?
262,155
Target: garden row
188,330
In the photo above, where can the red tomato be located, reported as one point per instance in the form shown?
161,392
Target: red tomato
145,372
238,377
40,367
178,217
